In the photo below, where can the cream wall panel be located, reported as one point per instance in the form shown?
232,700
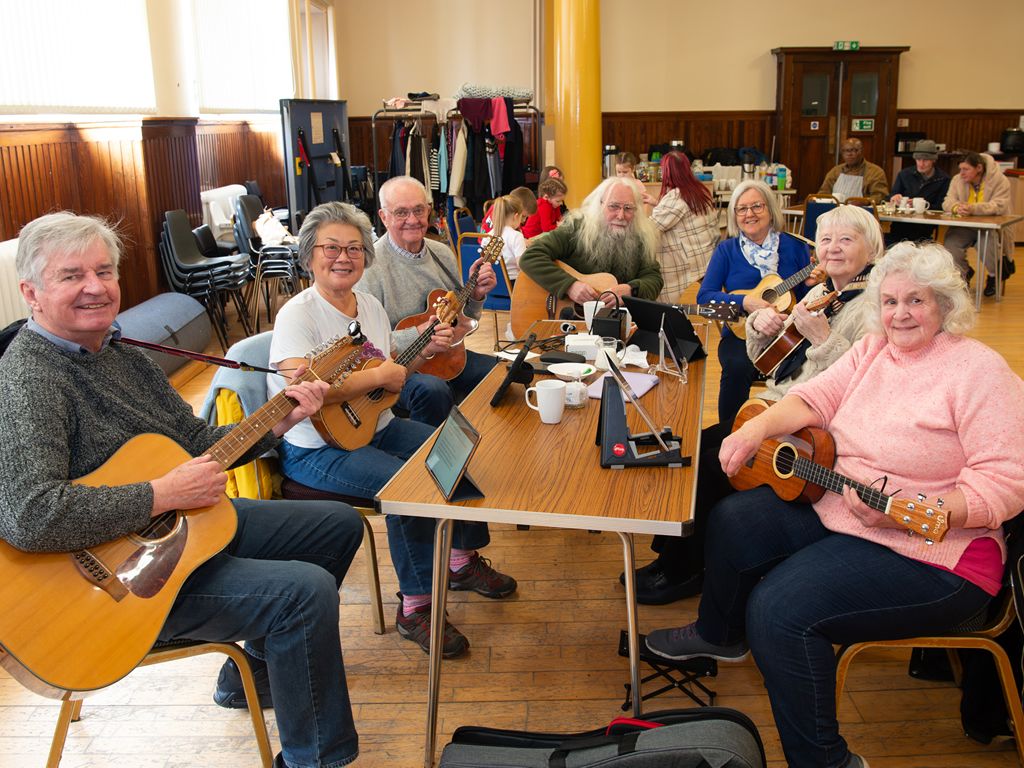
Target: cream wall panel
394,47
665,55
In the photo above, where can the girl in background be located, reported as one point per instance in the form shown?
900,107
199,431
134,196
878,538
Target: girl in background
507,217
550,196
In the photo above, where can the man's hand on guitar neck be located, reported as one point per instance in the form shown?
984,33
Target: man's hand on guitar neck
485,279
580,292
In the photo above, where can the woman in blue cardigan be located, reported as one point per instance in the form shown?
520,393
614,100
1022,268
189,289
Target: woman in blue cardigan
756,247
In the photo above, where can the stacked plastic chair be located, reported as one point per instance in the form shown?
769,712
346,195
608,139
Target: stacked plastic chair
212,280
269,265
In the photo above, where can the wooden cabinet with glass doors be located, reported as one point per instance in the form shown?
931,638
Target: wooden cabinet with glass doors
823,96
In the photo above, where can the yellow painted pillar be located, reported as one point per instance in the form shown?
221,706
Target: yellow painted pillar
574,105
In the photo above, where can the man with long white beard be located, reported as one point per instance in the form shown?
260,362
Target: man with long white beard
609,233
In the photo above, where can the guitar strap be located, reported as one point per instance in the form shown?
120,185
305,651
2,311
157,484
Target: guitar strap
792,364
223,362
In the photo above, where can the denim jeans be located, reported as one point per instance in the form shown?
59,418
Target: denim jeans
276,586
738,373
429,399
777,577
363,472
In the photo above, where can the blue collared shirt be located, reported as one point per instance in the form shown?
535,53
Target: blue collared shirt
72,346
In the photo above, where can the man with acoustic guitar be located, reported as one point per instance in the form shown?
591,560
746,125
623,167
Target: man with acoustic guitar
609,234
407,267
71,398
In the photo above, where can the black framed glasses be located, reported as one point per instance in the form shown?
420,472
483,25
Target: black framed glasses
332,250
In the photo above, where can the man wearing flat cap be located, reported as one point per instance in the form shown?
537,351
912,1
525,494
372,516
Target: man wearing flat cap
922,179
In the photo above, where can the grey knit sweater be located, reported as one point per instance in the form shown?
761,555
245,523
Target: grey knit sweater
63,415
402,284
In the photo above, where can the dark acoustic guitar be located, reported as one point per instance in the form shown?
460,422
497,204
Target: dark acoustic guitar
798,467
783,345
74,622
447,365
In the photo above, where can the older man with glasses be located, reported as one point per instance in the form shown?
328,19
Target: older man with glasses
855,176
609,233
406,268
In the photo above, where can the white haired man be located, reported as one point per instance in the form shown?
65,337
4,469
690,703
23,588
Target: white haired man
609,233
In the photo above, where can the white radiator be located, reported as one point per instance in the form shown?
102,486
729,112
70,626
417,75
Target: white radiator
12,305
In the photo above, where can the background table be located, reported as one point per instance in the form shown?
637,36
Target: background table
550,475
985,225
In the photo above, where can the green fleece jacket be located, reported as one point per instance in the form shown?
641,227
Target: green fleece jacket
561,245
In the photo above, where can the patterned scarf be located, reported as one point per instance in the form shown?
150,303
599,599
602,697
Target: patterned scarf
792,364
765,257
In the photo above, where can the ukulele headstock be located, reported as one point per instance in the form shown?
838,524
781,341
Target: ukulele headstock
920,517
721,310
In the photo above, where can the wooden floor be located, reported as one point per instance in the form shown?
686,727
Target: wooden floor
543,659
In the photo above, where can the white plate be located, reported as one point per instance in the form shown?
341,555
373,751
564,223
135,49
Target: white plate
570,371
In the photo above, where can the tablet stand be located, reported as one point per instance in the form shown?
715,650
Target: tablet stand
619,449
466,489
678,371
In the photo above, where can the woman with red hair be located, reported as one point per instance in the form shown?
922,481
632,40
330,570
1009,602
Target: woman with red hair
688,221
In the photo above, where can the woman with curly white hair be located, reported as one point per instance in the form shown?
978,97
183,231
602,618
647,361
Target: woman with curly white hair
918,404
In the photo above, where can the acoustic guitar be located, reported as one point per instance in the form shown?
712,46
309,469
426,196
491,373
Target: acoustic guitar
798,467
531,302
75,622
449,364
783,345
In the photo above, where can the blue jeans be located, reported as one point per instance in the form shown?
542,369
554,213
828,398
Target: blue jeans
429,399
363,472
276,586
777,577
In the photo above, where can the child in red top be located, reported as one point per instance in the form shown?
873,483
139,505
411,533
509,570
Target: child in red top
550,194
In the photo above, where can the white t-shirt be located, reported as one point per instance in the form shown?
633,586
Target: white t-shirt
514,247
308,320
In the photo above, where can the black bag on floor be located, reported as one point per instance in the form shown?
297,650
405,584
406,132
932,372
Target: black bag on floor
679,738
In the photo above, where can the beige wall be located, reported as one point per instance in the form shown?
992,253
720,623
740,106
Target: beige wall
717,55
667,55
394,47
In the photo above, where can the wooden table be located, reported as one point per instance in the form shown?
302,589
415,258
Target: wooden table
985,225
549,475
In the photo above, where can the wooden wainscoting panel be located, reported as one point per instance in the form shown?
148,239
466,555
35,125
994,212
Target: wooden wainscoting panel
959,128
236,151
636,131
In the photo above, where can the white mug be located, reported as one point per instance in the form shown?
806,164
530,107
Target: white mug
590,309
920,205
550,394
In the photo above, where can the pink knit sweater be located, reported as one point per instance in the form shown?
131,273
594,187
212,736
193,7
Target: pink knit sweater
949,415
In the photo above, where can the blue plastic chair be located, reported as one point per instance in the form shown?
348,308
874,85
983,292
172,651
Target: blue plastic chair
813,208
500,298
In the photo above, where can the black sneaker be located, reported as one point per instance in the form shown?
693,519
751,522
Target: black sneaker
990,286
655,587
229,692
416,627
684,643
478,576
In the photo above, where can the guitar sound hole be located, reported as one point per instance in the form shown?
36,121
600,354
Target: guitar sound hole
769,296
160,526
785,459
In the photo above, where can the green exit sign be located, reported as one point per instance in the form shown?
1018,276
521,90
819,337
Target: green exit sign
846,45
863,125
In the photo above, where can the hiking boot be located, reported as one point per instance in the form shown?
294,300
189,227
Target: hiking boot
478,576
684,643
416,627
229,692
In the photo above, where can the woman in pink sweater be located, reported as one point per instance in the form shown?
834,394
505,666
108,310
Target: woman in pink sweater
914,408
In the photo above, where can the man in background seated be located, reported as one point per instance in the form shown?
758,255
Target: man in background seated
69,399
609,233
855,176
406,268
922,179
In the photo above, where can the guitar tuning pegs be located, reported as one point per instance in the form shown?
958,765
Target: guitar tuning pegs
929,542
939,502
920,497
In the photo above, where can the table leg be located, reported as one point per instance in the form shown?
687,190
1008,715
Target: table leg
980,243
632,633
438,601
999,263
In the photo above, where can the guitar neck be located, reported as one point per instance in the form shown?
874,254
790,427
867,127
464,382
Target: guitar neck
793,281
251,430
831,480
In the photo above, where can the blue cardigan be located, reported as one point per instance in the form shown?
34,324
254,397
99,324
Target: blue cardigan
728,270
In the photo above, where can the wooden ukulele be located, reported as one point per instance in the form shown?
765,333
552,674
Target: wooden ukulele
789,339
74,622
774,290
799,468
531,302
352,423
447,365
